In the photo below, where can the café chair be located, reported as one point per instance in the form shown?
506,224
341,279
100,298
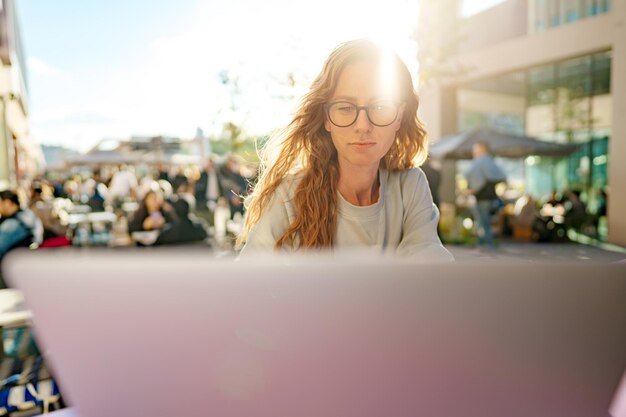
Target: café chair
25,382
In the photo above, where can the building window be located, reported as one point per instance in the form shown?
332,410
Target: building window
570,10
601,73
598,6
575,94
552,13
574,77
541,85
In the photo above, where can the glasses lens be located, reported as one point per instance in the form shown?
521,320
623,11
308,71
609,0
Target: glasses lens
383,113
342,113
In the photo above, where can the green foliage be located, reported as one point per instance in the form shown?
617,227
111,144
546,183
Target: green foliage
246,147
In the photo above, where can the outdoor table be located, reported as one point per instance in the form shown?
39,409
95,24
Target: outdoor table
80,209
94,217
91,228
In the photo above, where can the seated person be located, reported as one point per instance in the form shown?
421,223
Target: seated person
42,204
575,210
18,227
527,217
153,214
185,229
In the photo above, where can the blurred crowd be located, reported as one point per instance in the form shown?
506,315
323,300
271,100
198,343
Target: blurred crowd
546,218
549,219
203,205
488,206
164,205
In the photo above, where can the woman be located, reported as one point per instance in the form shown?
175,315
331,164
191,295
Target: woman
342,173
153,214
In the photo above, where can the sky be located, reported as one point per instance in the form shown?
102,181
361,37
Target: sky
116,68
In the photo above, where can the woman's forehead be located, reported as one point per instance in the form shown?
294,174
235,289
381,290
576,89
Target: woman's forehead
366,80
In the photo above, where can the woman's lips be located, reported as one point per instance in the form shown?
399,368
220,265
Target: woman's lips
362,145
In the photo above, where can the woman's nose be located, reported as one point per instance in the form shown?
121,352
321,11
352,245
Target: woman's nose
362,120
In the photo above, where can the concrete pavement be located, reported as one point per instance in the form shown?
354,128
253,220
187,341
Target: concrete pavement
510,250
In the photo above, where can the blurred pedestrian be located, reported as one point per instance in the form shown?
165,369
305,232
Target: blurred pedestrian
123,187
483,176
97,193
208,190
234,184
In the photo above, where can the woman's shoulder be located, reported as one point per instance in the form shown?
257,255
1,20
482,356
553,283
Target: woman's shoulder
287,187
405,178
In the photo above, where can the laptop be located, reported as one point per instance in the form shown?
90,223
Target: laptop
171,333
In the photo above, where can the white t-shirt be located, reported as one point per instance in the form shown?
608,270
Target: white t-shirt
122,183
403,221
212,189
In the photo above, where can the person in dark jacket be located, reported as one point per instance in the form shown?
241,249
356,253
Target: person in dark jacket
18,227
208,190
153,214
185,229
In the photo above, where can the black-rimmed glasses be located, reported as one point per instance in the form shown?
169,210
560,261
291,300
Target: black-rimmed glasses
345,113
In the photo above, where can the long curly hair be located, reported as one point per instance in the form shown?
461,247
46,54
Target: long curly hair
305,148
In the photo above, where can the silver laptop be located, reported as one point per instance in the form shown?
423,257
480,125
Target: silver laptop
162,333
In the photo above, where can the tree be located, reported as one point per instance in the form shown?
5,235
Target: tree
231,128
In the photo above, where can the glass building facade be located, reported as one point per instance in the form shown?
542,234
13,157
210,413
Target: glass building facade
567,101
546,14
570,102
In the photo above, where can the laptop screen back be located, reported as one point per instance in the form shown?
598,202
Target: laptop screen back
163,334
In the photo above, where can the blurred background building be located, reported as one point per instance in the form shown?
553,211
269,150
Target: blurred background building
20,156
552,69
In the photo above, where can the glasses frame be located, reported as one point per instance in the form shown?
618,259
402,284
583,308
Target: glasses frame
327,107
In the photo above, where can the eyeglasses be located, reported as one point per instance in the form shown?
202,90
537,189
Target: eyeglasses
344,113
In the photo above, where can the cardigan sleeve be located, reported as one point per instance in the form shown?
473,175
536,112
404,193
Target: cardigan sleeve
419,221
274,221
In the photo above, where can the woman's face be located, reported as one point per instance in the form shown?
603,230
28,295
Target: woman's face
363,143
152,202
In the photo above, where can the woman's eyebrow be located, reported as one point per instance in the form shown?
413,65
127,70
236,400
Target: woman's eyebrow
380,97
348,98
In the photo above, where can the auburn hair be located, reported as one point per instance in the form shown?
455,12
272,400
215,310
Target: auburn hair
305,148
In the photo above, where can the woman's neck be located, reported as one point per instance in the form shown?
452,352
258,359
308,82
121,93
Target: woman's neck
358,185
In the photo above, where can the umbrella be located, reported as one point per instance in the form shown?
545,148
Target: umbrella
500,144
